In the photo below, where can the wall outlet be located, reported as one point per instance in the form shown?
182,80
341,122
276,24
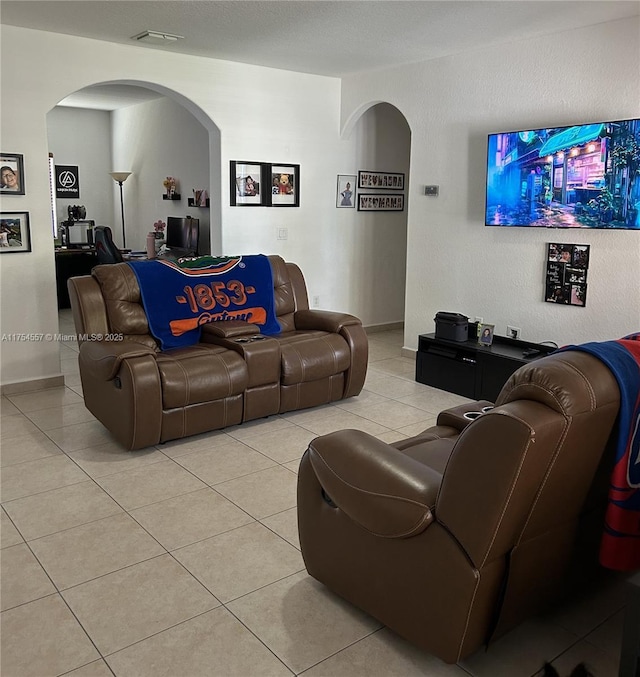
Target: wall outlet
316,301
513,332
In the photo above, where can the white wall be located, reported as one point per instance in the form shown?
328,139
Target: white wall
154,140
452,104
263,115
83,138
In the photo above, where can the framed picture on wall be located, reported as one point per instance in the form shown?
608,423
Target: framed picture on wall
375,202
11,174
285,185
15,235
380,180
346,192
567,270
247,184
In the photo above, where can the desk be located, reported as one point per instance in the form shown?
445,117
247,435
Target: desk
71,263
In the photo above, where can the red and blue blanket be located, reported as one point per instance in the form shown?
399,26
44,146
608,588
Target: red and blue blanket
180,296
620,546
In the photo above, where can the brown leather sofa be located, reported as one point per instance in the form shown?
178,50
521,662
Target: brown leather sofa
145,396
454,536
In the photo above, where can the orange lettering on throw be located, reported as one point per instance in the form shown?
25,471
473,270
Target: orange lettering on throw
256,315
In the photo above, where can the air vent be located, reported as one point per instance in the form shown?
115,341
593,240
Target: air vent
157,38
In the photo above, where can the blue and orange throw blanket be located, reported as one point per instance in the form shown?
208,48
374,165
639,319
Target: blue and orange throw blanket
620,546
180,296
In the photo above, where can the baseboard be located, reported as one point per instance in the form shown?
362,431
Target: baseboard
34,384
388,326
409,352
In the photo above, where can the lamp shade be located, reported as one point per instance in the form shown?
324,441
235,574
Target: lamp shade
120,176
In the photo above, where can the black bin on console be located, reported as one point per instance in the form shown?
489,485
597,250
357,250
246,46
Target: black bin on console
451,326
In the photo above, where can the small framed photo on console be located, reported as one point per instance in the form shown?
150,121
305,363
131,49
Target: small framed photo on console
485,334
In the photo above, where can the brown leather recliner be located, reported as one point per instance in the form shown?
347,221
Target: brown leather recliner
456,535
144,395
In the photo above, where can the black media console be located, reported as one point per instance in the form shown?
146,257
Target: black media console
472,370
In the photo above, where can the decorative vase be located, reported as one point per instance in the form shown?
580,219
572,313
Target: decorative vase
151,245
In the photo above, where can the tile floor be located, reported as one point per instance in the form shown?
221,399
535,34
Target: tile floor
183,560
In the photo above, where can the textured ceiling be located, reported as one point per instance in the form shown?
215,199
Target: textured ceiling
325,37
333,38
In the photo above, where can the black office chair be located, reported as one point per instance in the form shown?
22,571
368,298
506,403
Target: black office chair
105,248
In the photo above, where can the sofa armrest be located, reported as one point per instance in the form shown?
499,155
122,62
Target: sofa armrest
324,320
102,359
227,329
459,417
385,491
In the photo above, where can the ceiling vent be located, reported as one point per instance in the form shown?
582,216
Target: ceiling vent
157,38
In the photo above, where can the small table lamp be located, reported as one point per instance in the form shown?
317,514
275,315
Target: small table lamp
120,178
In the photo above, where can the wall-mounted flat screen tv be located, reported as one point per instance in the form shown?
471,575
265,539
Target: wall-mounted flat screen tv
585,176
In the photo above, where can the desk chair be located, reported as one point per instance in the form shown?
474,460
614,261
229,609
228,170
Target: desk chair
105,248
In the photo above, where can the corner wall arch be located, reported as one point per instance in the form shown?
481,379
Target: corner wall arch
379,137
354,117
210,144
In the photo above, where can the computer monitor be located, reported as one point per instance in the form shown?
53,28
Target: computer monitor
79,233
183,234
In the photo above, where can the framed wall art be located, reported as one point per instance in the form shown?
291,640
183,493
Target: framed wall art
375,202
380,180
248,184
566,274
15,235
346,191
11,174
285,185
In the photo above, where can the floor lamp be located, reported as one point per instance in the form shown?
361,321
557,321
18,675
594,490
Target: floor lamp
120,178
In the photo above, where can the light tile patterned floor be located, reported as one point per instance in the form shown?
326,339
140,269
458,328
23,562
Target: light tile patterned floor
183,560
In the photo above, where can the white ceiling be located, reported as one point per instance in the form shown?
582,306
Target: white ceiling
325,37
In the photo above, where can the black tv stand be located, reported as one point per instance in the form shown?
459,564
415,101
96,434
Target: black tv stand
472,370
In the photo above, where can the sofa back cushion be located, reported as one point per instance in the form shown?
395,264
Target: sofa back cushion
121,294
126,314
283,291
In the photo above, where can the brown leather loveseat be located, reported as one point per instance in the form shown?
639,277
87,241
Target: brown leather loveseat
144,395
456,535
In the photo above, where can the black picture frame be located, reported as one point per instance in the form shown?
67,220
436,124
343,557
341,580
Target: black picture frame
566,274
380,202
368,180
243,194
15,233
15,163
284,182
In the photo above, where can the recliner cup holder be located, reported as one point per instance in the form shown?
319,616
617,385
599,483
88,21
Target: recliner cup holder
472,415
486,409
250,339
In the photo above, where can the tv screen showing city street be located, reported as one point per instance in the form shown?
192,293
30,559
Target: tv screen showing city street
585,176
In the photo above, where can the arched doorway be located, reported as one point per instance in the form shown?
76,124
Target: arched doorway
381,138
150,131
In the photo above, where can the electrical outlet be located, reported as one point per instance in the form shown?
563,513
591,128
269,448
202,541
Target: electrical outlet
513,332
316,301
